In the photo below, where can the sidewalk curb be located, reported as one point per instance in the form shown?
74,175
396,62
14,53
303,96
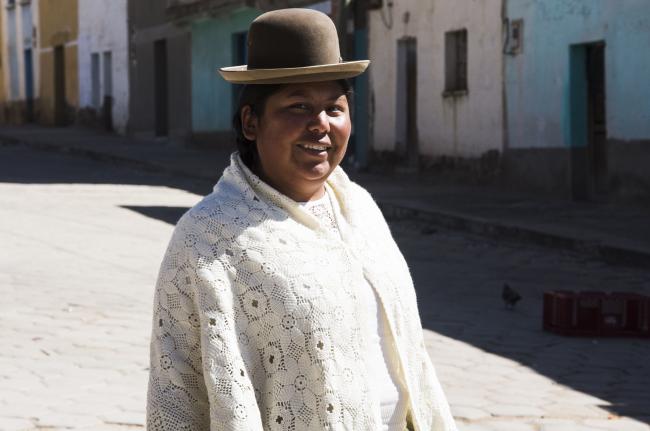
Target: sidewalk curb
610,253
103,156
399,211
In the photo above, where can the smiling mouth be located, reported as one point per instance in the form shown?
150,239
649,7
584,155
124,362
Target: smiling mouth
314,147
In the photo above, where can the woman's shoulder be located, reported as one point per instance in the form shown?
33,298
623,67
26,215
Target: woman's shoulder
349,189
354,197
214,206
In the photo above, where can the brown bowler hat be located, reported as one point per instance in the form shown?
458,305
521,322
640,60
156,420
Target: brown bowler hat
292,45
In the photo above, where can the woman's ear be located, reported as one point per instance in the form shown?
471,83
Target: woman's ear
248,123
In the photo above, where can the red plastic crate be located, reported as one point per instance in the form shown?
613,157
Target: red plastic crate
592,313
627,313
559,310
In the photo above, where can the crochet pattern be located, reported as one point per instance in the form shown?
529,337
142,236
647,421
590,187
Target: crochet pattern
257,321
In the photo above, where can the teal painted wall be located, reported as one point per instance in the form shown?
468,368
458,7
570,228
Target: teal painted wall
538,79
212,49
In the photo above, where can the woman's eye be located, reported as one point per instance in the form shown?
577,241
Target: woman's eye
336,108
299,106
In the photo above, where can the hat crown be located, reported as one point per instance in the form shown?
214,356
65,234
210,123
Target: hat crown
292,38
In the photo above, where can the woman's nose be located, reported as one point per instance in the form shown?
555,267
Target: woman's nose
320,123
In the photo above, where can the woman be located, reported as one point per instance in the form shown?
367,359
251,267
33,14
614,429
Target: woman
283,302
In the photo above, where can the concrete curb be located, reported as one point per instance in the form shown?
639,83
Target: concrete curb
610,253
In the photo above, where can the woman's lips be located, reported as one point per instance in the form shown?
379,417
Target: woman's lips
315,149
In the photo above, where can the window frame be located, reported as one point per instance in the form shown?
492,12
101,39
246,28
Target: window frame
456,63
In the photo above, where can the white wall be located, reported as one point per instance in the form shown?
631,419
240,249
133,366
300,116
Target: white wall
4,52
36,48
14,49
103,27
17,31
462,126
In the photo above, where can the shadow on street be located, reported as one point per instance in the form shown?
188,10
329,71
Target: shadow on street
23,165
459,294
169,215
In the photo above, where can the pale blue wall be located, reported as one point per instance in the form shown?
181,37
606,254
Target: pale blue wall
211,49
537,80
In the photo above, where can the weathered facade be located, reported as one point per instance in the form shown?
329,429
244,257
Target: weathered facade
103,63
18,60
553,92
578,95
159,72
58,57
436,78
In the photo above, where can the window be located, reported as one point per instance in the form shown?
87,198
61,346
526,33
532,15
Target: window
10,4
516,37
456,61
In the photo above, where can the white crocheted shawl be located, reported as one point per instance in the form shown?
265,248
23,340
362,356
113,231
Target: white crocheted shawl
258,323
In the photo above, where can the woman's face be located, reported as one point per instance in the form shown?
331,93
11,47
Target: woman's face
301,137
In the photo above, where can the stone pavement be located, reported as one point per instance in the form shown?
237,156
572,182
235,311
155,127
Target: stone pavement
78,263
616,232
81,244
500,370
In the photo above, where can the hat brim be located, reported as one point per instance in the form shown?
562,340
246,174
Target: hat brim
292,75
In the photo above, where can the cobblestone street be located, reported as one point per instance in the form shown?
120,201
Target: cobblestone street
81,244
500,370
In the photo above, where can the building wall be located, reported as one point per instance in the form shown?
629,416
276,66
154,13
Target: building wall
537,79
58,21
147,24
3,61
211,95
17,29
102,29
537,84
460,126
13,39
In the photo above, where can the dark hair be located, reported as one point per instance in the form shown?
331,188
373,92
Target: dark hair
255,96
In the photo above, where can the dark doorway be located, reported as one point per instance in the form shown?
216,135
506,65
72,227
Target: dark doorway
160,88
107,104
239,56
29,86
596,119
406,110
588,127
60,117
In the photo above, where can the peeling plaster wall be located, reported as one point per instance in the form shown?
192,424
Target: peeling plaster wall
463,126
102,28
537,79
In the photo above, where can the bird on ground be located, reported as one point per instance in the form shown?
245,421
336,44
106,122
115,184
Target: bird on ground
510,296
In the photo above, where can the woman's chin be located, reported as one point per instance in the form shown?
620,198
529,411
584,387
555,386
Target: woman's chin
317,171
